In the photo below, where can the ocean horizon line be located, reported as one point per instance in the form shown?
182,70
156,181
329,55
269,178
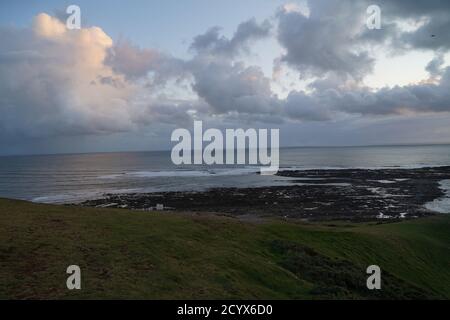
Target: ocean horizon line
281,147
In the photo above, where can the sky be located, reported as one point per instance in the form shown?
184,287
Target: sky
136,70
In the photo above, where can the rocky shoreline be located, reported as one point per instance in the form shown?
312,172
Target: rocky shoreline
345,194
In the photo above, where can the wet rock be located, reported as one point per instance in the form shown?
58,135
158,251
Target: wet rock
349,194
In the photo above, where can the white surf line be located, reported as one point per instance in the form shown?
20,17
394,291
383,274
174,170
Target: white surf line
442,204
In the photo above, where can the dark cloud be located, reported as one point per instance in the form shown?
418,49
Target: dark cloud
417,8
231,89
135,63
326,40
214,43
165,111
334,38
434,67
228,86
433,35
301,106
433,16
399,100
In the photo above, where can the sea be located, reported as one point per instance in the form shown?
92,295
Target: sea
72,178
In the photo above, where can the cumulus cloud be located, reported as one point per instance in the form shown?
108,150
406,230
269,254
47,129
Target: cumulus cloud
231,89
53,81
417,98
434,19
329,103
434,67
332,36
326,40
227,86
212,42
135,63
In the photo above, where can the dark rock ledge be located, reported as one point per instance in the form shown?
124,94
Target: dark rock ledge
350,194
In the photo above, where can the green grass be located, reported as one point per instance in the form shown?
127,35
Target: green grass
144,255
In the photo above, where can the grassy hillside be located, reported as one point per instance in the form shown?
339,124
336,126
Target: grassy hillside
128,254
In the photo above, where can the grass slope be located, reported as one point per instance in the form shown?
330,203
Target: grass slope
125,254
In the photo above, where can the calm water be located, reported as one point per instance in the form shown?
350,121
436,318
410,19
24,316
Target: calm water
68,178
